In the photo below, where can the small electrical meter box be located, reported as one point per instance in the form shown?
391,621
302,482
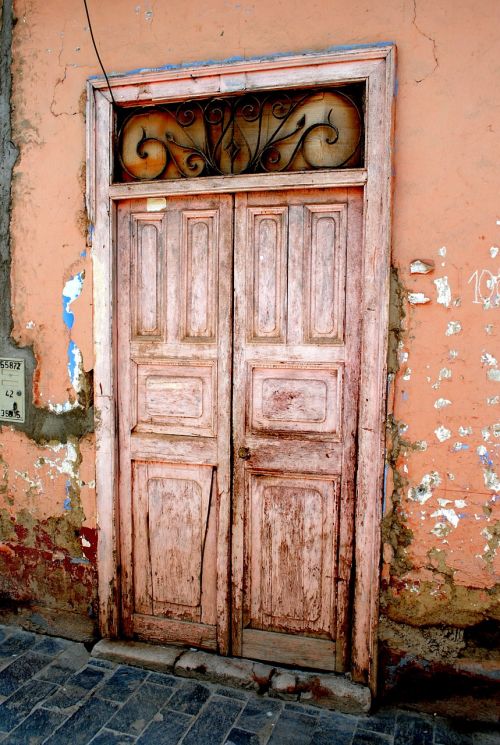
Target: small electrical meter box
12,390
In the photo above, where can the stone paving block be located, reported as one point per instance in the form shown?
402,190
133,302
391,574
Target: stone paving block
40,724
122,683
189,698
231,693
444,734
486,738
140,708
107,737
75,689
334,730
51,645
412,729
84,723
259,715
293,727
372,738
241,737
66,664
16,644
149,656
225,670
21,670
166,729
19,705
383,722
169,681
104,664
214,722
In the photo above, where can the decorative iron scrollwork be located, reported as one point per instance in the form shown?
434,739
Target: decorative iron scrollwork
250,133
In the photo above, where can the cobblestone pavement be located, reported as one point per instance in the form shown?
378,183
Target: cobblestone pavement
53,692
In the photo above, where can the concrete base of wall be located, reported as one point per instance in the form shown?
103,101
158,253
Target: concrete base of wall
319,689
51,621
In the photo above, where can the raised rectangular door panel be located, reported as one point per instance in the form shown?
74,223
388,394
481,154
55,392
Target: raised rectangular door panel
174,360
295,415
292,553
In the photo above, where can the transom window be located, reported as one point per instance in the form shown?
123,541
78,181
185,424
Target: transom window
261,132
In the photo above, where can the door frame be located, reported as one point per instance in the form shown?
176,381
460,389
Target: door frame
376,66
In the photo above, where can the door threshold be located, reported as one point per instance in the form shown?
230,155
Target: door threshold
329,690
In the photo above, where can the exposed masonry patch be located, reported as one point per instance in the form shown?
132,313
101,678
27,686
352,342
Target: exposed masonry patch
41,425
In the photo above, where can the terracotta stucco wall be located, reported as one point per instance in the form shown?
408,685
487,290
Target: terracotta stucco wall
441,526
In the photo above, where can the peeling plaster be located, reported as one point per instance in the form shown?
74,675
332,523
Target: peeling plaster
418,298
423,492
453,327
443,291
442,433
421,267
488,359
440,403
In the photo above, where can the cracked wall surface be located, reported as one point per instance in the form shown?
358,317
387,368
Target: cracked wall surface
441,503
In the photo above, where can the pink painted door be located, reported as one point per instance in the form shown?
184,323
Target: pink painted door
296,371
174,384
290,365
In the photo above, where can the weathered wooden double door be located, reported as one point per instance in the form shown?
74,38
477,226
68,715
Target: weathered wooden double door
238,374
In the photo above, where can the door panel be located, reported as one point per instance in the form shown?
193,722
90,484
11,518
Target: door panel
296,373
174,327
290,365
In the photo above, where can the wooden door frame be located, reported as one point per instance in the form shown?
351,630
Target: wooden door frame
376,66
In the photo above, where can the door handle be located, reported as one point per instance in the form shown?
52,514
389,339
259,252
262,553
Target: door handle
244,453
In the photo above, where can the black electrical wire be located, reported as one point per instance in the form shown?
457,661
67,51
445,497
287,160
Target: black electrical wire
97,54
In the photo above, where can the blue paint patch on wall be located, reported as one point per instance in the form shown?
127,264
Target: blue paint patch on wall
239,58
485,459
67,501
71,291
68,315
72,348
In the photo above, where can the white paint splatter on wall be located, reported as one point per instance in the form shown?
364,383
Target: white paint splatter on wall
443,291
453,327
442,433
424,490
440,403
418,298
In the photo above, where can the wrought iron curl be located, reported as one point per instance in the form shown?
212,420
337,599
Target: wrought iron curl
243,134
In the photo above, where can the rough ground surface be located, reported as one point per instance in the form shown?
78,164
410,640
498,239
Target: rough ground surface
52,692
